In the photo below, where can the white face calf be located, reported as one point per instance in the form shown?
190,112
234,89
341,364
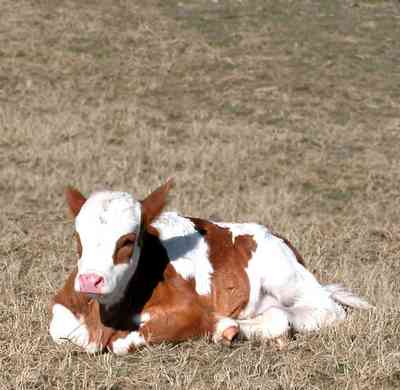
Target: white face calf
108,226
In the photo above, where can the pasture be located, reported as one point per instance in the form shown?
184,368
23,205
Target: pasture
281,112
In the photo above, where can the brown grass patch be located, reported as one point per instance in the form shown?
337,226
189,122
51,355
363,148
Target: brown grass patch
285,113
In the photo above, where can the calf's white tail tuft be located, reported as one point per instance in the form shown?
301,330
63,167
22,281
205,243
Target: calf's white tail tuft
344,296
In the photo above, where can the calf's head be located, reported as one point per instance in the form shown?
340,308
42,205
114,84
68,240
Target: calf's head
108,229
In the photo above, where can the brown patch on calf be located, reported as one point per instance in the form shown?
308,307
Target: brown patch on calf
176,312
245,245
230,283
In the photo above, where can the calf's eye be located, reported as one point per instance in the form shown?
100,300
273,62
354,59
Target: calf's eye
124,248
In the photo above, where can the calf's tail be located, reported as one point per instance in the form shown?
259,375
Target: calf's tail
346,297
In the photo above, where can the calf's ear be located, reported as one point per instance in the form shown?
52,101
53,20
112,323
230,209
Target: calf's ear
74,199
155,202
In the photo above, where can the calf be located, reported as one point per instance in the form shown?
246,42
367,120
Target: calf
147,276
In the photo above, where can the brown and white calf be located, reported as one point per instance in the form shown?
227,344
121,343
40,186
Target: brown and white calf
147,276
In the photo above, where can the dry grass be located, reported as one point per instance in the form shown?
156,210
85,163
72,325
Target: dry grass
282,112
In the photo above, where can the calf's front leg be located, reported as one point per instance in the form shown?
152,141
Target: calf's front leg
173,324
75,319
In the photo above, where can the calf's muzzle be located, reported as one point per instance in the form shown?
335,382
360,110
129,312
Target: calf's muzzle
91,283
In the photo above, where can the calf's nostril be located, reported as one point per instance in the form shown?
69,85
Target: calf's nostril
99,281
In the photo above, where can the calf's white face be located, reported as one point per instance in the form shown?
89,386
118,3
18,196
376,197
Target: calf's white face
108,226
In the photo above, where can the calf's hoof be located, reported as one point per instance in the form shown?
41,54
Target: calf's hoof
226,330
229,334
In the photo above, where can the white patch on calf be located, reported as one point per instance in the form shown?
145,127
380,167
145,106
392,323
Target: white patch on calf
64,327
141,319
122,345
187,249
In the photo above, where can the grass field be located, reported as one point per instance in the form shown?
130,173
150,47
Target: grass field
280,112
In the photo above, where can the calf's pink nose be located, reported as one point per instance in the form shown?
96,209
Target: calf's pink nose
91,283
